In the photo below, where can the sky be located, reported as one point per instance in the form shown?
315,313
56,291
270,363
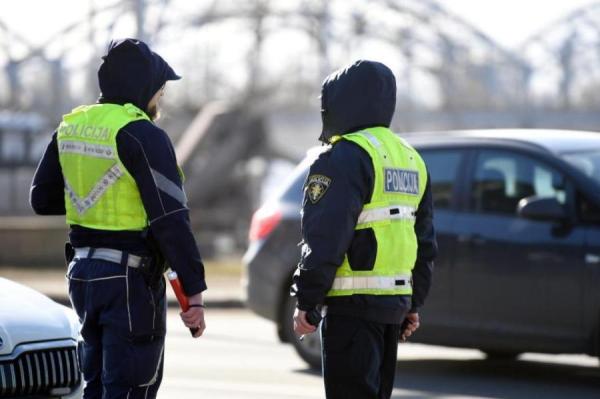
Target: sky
509,22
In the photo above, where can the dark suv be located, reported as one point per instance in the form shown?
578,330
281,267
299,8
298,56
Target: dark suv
517,215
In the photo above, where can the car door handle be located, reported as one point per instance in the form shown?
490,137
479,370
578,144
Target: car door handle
592,259
471,239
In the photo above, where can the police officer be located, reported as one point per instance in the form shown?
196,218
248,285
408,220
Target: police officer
113,172
368,238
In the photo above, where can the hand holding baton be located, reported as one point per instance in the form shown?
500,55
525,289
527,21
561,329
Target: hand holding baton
313,318
184,303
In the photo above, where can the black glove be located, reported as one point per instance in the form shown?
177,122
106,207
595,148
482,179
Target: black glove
314,317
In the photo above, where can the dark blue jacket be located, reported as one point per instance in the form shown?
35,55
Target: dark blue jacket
362,95
148,154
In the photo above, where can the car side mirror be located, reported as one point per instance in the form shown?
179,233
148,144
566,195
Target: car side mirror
541,209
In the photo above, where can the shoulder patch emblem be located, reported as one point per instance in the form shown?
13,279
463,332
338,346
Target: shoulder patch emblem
316,187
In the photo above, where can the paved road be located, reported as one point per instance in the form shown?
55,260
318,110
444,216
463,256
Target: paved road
240,357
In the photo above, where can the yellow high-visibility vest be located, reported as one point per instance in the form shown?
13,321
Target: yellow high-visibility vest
99,191
400,180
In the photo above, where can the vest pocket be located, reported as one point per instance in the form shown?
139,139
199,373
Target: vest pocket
363,250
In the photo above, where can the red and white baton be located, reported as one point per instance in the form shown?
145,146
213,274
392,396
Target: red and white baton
183,300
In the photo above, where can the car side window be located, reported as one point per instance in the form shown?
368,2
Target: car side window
443,168
503,178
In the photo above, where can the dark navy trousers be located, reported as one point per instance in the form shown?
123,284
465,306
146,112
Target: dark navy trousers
123,329
359,357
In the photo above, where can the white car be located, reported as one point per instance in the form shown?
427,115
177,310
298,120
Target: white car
38,345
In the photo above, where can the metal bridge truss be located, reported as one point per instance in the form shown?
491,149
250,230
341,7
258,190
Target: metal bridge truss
565,60
280,50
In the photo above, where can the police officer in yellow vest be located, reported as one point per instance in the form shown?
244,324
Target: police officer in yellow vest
368,238
113,172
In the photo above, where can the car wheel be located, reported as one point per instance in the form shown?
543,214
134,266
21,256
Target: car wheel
500,355
309,348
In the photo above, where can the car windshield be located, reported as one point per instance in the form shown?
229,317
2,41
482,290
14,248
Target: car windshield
586,161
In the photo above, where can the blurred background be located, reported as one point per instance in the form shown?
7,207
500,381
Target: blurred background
247,111
248,107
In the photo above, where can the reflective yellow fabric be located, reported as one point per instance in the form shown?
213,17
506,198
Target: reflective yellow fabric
99,192
400,180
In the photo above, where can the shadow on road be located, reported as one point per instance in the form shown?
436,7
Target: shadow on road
497,379
309,371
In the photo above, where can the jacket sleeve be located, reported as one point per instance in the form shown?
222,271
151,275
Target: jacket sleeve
328,220
147,153
47,193
427,250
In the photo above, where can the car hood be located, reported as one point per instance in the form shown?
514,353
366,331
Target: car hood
28,316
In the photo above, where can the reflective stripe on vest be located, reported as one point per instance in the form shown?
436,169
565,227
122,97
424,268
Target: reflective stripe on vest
386,213
371,138
107,180
400,178
371,282
87,149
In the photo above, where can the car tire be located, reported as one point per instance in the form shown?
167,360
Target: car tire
309,349
492,354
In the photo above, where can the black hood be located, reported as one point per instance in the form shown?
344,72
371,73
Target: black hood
358,96
133,73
